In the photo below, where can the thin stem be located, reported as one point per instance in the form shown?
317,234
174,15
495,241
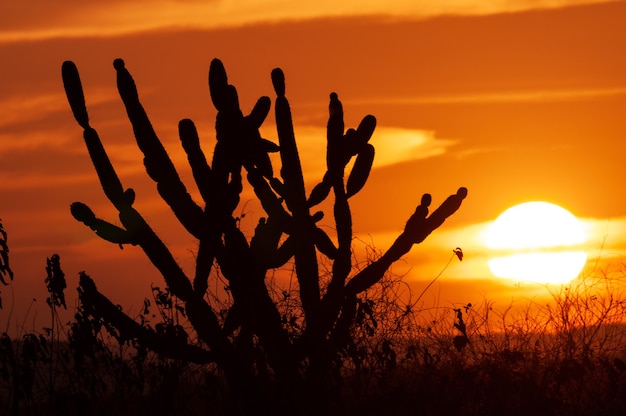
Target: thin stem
433,281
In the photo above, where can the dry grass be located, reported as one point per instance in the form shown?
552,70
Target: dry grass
566,356
562,357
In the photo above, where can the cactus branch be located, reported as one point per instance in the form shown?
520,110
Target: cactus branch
103,229
417,228
295,198
156,160
199,166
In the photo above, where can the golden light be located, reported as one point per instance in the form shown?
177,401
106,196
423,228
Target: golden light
536,242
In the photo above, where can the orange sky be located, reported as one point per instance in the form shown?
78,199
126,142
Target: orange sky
516,100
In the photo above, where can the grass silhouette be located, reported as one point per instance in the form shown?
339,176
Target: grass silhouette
562,357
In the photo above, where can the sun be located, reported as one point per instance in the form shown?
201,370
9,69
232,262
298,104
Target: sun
536,242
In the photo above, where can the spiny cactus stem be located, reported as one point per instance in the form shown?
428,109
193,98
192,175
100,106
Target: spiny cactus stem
335,159
271,204
343,224
197,160
218,84
417,229
291,170
204,260
103,229
109,180
436,219
145,135
74,92
295,198
156,160
157,252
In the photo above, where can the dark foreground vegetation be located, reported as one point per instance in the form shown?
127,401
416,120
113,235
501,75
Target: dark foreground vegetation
565,358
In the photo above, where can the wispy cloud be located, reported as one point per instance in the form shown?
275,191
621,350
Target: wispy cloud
31,119
498,97
36,19
17,109
393,145
606,238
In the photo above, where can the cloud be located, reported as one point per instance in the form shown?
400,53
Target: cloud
606,238
393,145
36,19
32,119
529,96
396,145
25,109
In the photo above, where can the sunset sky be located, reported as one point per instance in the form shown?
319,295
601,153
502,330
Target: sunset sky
517,100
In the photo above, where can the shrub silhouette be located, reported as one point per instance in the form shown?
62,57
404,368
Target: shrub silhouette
252,339
5,269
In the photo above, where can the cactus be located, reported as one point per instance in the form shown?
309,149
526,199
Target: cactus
288,232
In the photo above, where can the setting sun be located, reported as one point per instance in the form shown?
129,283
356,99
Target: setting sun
536,242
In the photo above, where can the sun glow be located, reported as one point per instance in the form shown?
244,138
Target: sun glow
536,242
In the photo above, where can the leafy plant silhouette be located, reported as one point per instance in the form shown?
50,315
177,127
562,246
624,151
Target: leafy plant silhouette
5,269
250,338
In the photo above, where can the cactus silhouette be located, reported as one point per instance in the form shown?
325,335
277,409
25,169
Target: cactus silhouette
288,232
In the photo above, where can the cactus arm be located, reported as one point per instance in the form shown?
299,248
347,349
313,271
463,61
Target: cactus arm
199,166
208,246
109,180
74,92
343,223
156,160
418,227
337,159
356,144
270,202
324,244
239,142
296,201
136,230
111,184
334,134
291,169
320,191
228,123
103,229
360,171
363,134
210,238
341,147
343,219
157,252
265,246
